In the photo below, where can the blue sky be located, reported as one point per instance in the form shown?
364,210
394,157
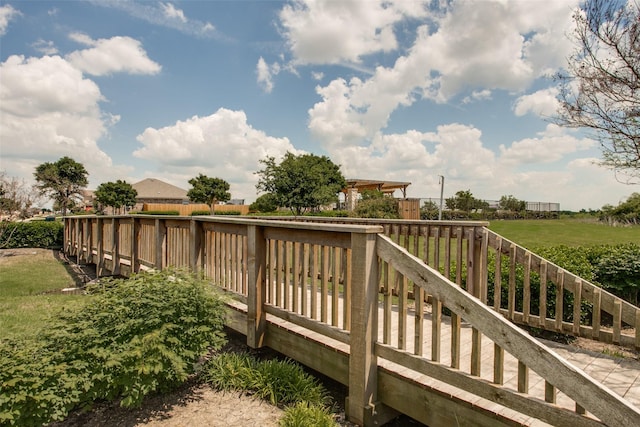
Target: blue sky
397,90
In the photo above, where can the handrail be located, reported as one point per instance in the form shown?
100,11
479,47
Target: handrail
590,395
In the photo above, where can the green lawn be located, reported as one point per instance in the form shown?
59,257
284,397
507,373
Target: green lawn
28,286
570,232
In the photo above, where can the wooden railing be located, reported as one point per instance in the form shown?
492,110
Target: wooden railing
359,285
467,254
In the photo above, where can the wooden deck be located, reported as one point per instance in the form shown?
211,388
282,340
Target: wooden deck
362,304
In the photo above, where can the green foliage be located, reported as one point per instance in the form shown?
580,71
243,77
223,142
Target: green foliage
618,270
232,213
627,212
33,234
62,181
305,415
135,336
374,204
279,382
301,183
331,214
465,202
201,213
208,190
429,210
265,203
510,203
117,194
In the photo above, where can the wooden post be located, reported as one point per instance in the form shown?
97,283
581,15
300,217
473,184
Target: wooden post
99,247
257,286
195,251
115,246
364,331
135,245
161,244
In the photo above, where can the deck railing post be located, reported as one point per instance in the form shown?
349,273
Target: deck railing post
195,251
160,244
364,330
115,246
99,247
135,245
257,286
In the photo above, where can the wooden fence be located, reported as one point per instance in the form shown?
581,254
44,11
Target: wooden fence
349,300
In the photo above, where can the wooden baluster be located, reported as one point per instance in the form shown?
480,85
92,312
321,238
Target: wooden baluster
559,300
523,378
526,285
459,256
314,282
549,393
335,294
346,292
617,320
577,306
595,316
497,281
455,341
402,311
498,364
476,352
324,285
418,295
512,281
436,326
543,294
387,303
296,277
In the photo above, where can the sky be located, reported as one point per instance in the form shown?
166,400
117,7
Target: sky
390,90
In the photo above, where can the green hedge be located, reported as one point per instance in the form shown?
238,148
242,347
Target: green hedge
33,234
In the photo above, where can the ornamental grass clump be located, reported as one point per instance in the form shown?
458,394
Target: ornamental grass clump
133,337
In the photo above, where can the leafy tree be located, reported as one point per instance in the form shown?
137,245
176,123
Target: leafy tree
600,89
301,183
464,201
374,204
62,181
208,190
626,212
265,203
429,210
510,203
117,194
16,198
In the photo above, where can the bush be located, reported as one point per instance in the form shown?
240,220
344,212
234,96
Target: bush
228,213
279,382
305,415
201,212
34,234
617,268
133,337
176,213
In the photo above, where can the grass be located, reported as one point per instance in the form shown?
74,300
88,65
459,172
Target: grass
569,232
26,283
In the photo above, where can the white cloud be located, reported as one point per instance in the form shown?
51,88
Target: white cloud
551,145
171,12
106,56
45,47
222,144
330,32
543,103
49,110
265,74
7,13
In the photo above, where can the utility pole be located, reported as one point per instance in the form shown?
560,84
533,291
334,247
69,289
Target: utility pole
441,194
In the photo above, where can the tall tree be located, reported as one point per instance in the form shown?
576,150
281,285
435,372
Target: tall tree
117,194
600,90
16,198
208,190
301,183
62,181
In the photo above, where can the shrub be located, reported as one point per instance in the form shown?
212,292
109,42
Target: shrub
617,268
34,234
305,415
279,382
227,213
133,337
176,213
201,212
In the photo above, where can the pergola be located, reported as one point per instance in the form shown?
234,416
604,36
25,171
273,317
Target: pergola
386,187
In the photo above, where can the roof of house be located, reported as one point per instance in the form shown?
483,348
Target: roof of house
152,188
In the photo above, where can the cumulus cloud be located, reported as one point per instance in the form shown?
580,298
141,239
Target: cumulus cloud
45,47
7,13
48,109
222,144
551,145
330,32
543,103
107,56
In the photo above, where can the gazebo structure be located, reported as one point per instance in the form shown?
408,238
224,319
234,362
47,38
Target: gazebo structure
355,186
